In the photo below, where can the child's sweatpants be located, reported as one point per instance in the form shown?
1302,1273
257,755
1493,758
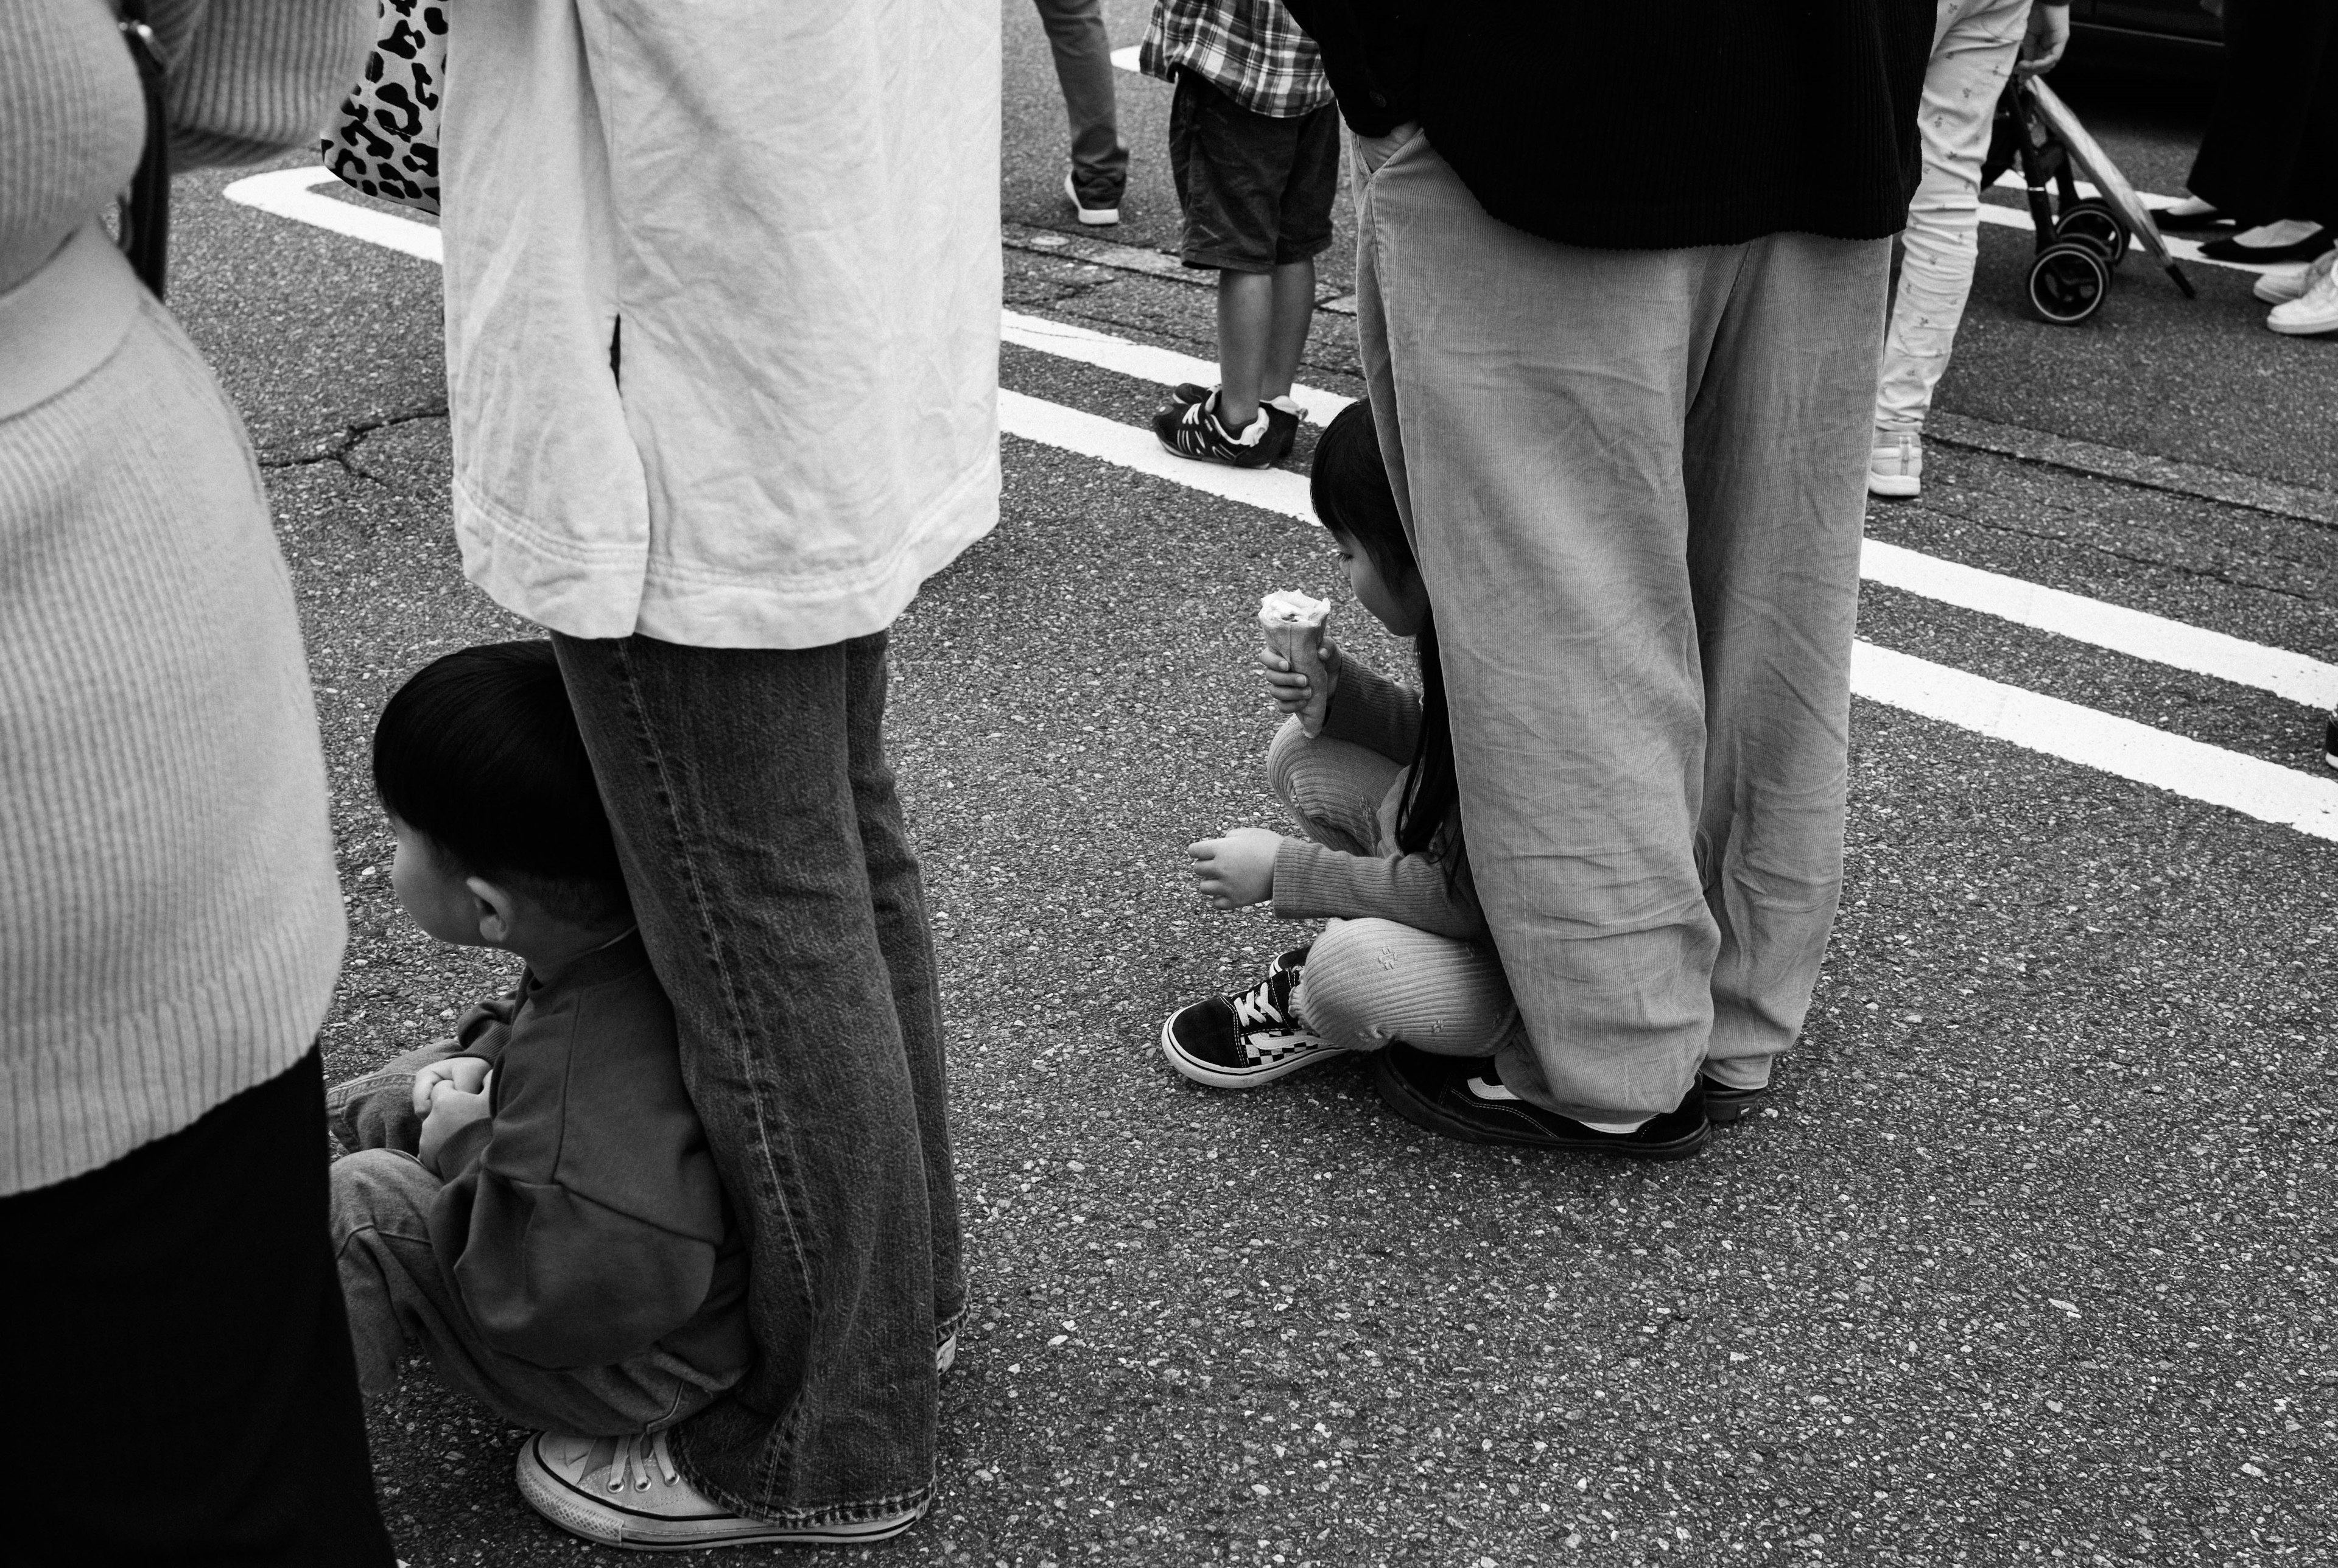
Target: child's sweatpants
398,1295
1369,981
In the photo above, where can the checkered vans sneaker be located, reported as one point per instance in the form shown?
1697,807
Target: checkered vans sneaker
1241,1041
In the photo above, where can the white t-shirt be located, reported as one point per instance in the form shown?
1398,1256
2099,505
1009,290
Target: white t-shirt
793,211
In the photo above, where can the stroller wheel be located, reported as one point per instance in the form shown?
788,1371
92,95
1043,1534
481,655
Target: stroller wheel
2094,223
2068,283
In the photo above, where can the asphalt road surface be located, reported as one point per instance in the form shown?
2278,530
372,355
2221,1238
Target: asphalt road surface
2031,1259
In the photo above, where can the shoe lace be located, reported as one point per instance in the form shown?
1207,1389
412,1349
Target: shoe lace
1257,1005
635,1456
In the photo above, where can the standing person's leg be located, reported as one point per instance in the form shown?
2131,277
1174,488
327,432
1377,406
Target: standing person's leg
1246,316
905,939
1232,167
2257,153
1538,394
1303,232
1084,68
728,775
187,1291
1972,55
1775,432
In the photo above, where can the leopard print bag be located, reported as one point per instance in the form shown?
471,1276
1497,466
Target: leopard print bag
385,139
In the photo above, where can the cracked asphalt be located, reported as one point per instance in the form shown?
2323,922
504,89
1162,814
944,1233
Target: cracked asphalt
2030,1261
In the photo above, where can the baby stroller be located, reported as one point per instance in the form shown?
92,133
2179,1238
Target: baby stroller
2081,241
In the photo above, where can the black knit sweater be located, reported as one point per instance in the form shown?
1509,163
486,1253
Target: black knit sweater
1647,125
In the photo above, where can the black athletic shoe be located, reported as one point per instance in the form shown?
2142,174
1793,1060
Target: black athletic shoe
1241,1041
1723,1104
1283,416
1292,960
1463,1098
2330,739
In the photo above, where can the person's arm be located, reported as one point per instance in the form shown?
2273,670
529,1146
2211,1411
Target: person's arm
2048,34
1314,882
1370,54
1370,711
249,79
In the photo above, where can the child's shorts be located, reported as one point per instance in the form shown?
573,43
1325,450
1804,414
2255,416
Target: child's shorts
1257,191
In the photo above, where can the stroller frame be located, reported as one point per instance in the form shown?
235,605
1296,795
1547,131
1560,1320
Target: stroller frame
2081,240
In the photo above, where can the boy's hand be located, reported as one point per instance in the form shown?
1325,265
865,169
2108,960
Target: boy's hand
465,1073
451,1111
1290,687
1237,870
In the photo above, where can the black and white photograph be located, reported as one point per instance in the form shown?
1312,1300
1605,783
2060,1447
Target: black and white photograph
1169,783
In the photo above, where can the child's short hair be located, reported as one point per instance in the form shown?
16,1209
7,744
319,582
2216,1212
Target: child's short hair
1348,484
479,752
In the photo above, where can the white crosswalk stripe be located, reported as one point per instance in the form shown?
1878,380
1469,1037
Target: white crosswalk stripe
2048,725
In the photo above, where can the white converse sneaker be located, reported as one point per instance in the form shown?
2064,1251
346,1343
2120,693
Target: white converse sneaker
2312,312
2288,283
1895,467
625,1491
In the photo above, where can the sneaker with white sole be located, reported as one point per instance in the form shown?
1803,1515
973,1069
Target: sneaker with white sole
627,1492
1193,430
1284,414
1895,467
2312,312
2287,283
1241,1041
1093,217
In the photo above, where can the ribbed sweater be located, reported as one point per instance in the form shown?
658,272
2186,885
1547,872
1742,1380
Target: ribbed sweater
1316,882
170,919
1639,126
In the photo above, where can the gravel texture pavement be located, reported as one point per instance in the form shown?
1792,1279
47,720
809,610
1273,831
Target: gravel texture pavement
2029,1260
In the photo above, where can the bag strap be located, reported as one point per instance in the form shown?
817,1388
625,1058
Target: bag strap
146,207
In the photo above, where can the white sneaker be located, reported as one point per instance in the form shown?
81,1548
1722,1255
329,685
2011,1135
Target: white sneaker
1094,217
2287,283
1895,468
625,1491
2312,312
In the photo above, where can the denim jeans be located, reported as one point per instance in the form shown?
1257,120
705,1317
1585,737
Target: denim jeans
1973,45
1370,981
1636,483
1084,69
397,1293
783,910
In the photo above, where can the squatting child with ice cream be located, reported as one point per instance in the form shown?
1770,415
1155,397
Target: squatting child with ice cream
1365,768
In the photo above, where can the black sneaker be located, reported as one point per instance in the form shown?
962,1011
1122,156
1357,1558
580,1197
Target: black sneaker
1723,1104
1095,214
1187,425
1241,1041
1283,413
2330,739
1463,1098
1292,960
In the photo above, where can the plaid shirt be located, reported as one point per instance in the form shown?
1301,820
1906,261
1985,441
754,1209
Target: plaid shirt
1249,50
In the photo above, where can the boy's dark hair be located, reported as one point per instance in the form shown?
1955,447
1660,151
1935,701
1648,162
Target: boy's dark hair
479,752
1349,485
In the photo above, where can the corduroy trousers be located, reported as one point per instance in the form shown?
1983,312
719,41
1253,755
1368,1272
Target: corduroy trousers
1634,482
